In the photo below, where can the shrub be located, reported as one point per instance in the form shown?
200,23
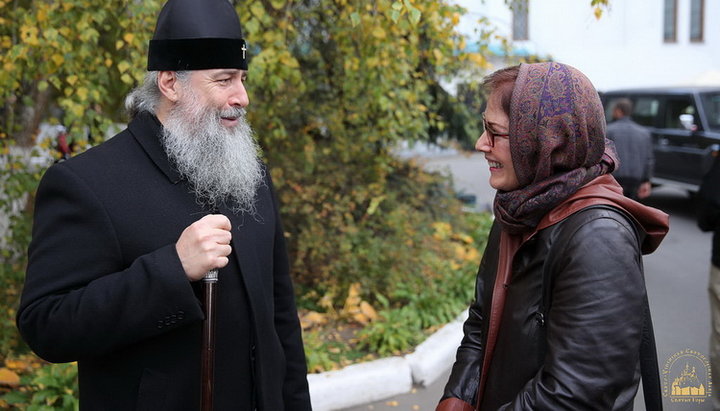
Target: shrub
43,386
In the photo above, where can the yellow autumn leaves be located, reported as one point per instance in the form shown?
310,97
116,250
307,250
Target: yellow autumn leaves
80,54
466,251
12,369
355,309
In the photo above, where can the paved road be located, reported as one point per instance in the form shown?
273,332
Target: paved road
676,276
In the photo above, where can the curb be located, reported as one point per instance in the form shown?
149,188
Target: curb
371,381
359,383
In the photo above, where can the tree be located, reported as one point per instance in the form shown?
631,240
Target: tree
334,84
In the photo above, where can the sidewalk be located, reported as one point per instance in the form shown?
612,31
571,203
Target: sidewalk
470,174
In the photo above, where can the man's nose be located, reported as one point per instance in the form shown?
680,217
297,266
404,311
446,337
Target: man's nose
239,96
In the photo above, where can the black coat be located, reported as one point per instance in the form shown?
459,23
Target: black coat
709,208
105,286
581,350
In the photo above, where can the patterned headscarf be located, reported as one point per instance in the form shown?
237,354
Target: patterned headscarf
557,142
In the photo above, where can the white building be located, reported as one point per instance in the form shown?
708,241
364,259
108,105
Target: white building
636,43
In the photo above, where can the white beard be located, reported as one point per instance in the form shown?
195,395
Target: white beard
221,163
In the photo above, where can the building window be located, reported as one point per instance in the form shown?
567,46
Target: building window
520,20
697,9
670,22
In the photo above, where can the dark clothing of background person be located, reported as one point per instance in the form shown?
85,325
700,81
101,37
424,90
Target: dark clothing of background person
709,220
709,207
634,149
105,287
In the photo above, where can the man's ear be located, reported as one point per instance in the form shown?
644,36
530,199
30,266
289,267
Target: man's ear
168,85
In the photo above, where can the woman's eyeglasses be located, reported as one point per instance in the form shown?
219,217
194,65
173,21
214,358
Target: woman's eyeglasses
491,134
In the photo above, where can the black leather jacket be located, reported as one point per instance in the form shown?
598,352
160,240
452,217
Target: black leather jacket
581,350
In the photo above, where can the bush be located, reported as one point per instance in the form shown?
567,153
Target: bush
42,386
423,290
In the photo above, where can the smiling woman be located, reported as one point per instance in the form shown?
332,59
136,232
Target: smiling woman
560,308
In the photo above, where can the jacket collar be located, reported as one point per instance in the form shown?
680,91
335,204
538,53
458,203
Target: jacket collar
146,129
605,190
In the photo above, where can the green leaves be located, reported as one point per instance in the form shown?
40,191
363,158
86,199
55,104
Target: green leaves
46,57
353,214
51,387
404,6
355,18
413,12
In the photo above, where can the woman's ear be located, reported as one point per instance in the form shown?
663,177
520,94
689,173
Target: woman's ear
168,85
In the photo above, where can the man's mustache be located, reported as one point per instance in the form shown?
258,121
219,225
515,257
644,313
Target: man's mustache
232,112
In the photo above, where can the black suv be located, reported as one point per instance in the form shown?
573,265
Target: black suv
685,127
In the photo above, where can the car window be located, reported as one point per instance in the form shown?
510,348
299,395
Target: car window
711,105
675,107
645,109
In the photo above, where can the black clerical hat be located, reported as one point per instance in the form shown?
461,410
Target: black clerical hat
197,35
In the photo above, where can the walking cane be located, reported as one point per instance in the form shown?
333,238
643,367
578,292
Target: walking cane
207,368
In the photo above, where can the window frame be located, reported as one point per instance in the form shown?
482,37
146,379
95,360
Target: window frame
672,38
700,24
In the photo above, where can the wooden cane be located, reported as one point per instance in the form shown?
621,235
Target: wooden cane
207,368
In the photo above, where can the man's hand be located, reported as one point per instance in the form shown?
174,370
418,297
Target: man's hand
644,190
204,245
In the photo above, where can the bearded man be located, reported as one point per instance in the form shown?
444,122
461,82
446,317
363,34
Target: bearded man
123,232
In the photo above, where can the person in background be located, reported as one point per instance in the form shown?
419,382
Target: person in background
709,220
123,232
560,318
634,150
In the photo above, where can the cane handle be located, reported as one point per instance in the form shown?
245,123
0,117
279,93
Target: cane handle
211,276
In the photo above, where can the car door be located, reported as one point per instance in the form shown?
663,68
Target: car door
678,154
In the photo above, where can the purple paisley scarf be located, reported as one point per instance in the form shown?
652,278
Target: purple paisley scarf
557,142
